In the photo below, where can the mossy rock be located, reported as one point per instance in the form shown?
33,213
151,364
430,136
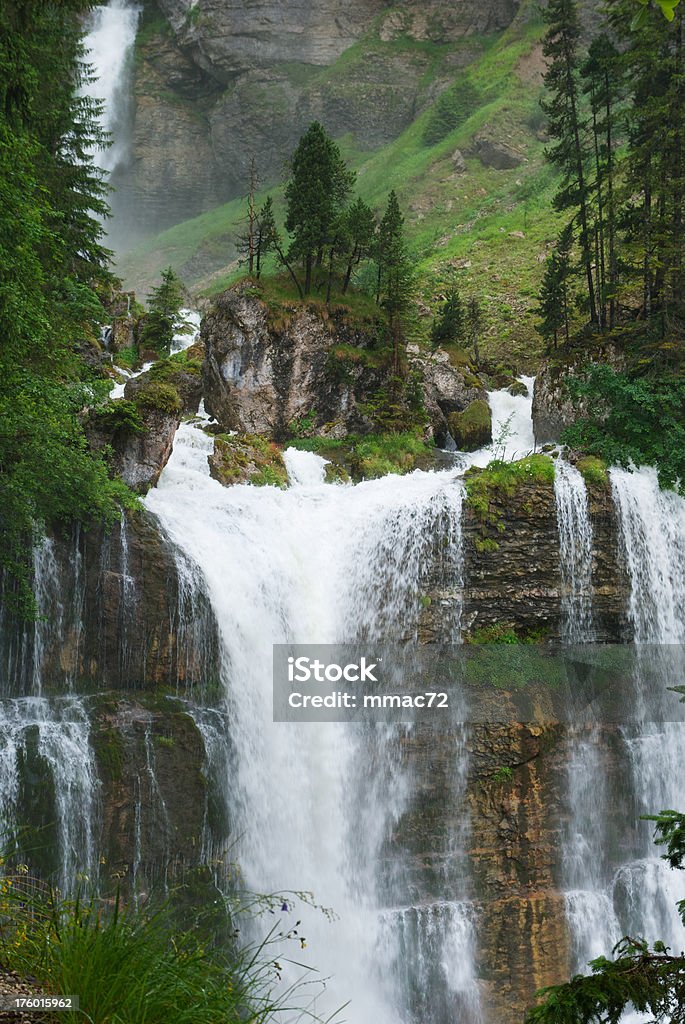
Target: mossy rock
472,428
247,459
158,394
518,389
593,470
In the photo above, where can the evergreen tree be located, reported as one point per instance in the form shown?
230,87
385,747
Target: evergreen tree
567,128
449,325
52,264
315,194
247,241
602,84
267,237
360,231
396,275
161,321
553,297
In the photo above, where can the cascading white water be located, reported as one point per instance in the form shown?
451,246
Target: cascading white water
109,48
638,897
46,743
575,552
320,563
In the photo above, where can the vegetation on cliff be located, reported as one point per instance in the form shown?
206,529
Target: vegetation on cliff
54,267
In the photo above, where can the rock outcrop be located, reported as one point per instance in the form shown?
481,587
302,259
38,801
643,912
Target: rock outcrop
446,388
553,407
307,368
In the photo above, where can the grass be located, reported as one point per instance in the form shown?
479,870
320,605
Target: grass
367,458
487,488
461,227
129,965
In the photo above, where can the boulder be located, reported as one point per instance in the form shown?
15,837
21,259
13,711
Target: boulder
472,428
458,162
303,369
247,459
446,389
498,155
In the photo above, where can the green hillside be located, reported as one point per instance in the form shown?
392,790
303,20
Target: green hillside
489,228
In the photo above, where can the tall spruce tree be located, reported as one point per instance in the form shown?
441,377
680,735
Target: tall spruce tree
396,275
567,127
360,231
316,193
554,291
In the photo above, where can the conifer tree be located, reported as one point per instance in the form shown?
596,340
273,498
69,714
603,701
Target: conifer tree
396,275
266,234
449,325
567,127
360,231
165,302
315,194
554,297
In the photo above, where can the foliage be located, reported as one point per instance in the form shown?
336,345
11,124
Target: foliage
139,965
449,326
554,291
452,109
639,977
52,264
315,194
120,417
248,458
161,322
632,420
396,282
370,457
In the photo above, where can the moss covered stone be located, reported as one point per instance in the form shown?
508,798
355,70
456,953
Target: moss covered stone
158,394
247,459
472,428
594,471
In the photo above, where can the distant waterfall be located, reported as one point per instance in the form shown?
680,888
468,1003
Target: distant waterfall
111,36
575,552
316,804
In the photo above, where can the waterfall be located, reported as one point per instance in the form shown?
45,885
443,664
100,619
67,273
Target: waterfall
575,552
46,758
316,805
617,884
109,45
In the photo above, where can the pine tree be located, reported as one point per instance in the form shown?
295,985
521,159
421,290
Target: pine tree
267,237
315,194
567,127
449,325
164,302
602,84
247,242
360,229
554,297
396,275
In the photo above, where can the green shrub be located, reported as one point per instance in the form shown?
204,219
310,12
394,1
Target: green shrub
158,394
120,417
450,111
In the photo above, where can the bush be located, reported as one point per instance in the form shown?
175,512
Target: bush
158,394
637,420
450,111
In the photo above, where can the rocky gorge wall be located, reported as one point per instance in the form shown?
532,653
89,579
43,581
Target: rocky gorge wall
218,82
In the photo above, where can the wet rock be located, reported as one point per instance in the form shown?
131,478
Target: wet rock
446,388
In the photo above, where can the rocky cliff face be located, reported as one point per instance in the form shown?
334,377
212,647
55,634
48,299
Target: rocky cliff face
219,82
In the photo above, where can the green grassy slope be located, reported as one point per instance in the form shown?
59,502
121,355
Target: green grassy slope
488,229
